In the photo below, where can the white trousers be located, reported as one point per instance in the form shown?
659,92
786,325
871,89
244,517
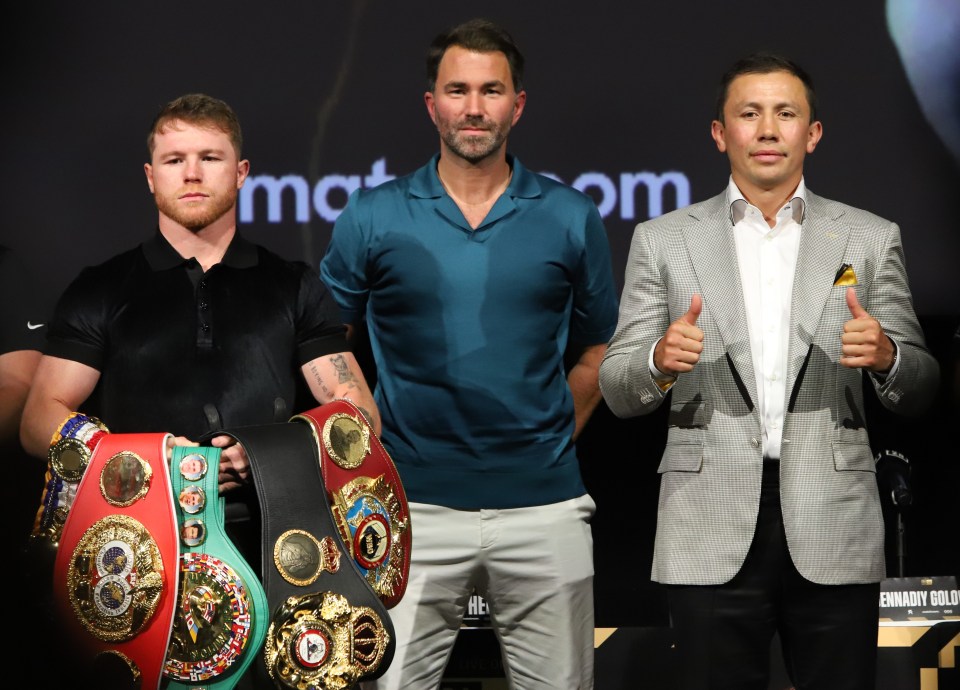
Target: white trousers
534,568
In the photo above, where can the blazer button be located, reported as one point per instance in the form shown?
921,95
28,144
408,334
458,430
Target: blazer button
755,442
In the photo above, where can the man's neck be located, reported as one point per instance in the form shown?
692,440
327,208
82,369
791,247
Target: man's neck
207,245
474,183
769,201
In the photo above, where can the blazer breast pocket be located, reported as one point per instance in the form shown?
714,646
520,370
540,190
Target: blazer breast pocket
839,292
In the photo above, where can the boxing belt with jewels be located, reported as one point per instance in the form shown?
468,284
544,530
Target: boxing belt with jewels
221,616
67,460
115,575
328,628
366,495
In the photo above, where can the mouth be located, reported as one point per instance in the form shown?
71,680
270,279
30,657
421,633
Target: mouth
192,196
474,127
767,156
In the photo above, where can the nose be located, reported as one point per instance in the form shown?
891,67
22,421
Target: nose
191,169
769,127
472,105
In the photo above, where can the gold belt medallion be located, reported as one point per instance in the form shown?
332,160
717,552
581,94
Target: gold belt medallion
369,517
347,440
69,458
115,578
300,558
320,641
213,625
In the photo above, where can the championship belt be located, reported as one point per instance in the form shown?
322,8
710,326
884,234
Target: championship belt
366,496
221,614
328,628
67,460
115,578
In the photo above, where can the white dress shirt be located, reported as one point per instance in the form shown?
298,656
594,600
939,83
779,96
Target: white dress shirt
768,259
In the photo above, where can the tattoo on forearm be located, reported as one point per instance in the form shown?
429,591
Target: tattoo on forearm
344,374
320,382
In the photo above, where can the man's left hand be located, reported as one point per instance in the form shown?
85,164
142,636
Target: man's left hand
864,345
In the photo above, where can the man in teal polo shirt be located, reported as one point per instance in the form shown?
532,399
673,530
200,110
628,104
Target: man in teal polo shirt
474,277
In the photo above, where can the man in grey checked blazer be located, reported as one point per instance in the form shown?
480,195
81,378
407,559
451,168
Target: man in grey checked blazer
758,311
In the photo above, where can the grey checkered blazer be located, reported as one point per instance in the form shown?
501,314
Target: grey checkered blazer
711,467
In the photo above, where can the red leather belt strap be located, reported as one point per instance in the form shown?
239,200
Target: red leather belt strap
116,571
366,496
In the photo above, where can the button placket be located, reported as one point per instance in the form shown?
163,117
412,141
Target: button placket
204,328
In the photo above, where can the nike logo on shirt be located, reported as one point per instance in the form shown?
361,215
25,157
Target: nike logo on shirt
34,326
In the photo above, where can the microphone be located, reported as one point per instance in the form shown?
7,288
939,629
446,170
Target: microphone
893,472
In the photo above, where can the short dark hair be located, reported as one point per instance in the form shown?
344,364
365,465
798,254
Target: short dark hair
765,63
201,110
481,36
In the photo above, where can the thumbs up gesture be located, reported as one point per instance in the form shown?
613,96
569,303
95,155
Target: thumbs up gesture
679,349
864,345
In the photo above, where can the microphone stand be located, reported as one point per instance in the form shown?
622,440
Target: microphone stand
893,473
901,551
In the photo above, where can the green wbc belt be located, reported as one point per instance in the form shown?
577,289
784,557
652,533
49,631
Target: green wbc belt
221,614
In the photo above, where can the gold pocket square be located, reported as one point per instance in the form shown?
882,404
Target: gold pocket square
845,276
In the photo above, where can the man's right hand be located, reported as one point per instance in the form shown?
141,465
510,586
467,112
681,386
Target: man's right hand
234,470
679,349
234,463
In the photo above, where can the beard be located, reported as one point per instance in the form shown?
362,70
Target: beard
197,215
473,148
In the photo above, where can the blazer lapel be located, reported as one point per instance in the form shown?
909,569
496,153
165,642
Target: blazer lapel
711,247
823,242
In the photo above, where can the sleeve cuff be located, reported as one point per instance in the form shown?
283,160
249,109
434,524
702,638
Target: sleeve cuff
664,381
896,364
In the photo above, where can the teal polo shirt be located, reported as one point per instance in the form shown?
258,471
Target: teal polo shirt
468,329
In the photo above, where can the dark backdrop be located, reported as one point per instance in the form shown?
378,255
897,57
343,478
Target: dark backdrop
620,98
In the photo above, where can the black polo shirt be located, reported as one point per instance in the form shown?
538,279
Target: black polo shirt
188,352
23,315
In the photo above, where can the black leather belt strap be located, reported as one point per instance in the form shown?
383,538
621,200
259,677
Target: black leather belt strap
328,627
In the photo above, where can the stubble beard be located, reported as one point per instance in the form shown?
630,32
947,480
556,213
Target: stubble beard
200,216
474,148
